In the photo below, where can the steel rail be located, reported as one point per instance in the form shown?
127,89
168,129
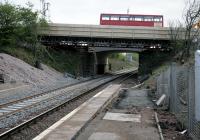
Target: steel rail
49,98
46,92
19,127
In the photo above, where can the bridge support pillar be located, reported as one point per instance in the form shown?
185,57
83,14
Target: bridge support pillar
102,63
87,65
93,63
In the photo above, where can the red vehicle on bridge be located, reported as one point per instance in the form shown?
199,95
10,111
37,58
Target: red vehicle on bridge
131,20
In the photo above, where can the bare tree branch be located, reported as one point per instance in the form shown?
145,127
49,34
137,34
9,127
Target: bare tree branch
186,35
192,16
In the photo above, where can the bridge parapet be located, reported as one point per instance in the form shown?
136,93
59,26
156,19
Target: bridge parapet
105,31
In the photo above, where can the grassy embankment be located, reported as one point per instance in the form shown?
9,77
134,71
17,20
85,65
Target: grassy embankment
151,81
60,60
65,61
119,65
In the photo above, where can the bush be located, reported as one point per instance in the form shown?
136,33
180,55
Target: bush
19,27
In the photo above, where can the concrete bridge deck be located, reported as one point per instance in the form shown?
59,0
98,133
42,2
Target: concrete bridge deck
106,31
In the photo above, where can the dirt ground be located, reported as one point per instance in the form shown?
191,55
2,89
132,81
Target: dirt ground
171,127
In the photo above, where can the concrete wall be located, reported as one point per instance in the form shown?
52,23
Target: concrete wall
87,65
93,63
102,62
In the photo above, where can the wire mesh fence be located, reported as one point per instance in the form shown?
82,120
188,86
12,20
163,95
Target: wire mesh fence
178,84
194,125
163,86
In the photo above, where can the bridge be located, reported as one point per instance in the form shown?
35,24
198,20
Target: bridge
102,37
99,40
106,31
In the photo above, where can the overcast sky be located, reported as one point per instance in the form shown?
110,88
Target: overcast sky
88,11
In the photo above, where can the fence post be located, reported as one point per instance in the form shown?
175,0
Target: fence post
197,83
172,88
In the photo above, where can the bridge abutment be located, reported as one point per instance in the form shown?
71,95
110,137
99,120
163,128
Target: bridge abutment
87,65
93,63
102,63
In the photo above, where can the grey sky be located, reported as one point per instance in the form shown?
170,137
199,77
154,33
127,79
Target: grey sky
88,11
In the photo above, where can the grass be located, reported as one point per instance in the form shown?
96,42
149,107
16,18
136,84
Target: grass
120,64
62,60
21,53
151,81
119,61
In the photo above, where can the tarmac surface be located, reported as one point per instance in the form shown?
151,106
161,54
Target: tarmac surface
131,118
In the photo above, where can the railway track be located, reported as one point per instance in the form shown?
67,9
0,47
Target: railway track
44,93
32,102
24,109
17,105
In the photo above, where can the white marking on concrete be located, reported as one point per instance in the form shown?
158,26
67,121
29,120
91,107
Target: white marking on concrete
122,117
55,125
104,136
70,115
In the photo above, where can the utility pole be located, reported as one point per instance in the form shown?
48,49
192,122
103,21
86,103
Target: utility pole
45,9
128,11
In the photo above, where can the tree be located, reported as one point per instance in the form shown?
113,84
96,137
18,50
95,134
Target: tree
8,24
184,35
27,28
191,16
19,26
175,31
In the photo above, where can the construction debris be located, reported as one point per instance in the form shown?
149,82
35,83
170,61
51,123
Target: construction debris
160,100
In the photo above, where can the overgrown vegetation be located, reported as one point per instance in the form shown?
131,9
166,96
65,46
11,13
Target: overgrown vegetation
19,52
19,27
122,57
118,56
118,61
61,60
